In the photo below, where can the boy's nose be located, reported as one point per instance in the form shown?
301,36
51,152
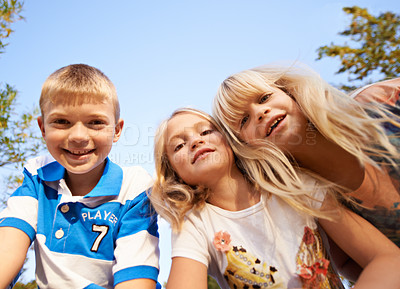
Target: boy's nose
78,133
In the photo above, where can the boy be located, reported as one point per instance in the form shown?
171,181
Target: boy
91,219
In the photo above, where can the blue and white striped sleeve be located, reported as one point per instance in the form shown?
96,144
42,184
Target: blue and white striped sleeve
22,207
137,251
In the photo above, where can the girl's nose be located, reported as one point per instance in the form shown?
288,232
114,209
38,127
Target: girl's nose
197,142
259,111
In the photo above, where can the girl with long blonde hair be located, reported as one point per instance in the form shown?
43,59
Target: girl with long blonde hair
350,144
233,218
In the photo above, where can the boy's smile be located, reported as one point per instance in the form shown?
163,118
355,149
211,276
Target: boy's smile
80,137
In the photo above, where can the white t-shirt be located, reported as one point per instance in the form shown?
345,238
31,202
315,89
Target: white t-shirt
265,246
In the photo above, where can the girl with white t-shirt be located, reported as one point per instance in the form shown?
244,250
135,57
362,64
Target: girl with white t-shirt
253,234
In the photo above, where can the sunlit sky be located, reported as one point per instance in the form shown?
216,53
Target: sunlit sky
165,54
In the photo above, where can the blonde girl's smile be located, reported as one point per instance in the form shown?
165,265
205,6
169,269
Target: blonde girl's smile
274,116
202,154
195,149
273,124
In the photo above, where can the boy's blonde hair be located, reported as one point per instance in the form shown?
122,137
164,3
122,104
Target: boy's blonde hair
172,198
76,84
356,127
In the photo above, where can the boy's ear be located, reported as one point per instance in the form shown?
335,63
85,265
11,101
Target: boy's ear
118,130
40,122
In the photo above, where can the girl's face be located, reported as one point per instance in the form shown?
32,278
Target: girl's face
273,116
198,153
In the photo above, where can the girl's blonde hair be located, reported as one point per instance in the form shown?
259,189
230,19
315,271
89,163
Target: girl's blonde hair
76,84
356,127
172,198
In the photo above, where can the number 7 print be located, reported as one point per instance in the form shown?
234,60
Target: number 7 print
103,230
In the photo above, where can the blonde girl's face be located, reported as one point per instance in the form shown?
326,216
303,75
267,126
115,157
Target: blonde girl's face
198,152
273,116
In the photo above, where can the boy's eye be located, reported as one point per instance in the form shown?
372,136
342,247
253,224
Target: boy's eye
97,122
264,98
206,132
61,121
243,121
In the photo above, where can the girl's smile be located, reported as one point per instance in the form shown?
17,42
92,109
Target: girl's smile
196,150
202,153
275,117
273,127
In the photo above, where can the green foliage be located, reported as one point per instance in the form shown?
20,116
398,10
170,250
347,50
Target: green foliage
212,284
31,285
16,133
9,13
374,46
18,140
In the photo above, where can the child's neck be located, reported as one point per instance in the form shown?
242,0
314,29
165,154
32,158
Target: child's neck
233,193
332,162
83,184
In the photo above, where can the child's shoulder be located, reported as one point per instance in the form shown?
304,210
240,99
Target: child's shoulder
314,189
136,174
135,181
32,165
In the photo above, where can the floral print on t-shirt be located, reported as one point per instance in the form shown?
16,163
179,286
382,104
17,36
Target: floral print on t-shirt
246,271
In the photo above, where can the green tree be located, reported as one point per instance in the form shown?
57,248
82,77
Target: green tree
212,284
373,47
30,285
17,139
10,11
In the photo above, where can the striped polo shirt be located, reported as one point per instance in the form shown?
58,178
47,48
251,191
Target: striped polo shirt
98,240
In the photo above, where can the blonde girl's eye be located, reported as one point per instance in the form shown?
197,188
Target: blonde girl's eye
206,132
178,147
243,121
264,98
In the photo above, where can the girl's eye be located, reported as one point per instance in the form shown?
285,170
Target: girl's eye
178,147
206,132
264,98
243,121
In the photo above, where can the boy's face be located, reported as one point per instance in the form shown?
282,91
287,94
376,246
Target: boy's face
80,137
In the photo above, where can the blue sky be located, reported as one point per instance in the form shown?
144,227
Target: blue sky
165,54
